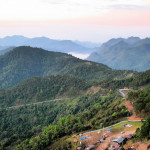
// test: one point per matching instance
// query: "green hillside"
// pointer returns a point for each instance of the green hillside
(39, 89)
(139, 80)
(35, 124)
(26, 62)
(142, 79)
(141, 101)
(24, 127)
(21, 125)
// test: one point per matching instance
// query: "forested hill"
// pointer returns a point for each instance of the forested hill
(130, 54)
(25, 62)
(142, 79)
(38, 89)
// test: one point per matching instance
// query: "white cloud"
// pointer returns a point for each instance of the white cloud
(78, 55)
(59, 9)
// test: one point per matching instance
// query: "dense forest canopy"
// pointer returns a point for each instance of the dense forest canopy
(38, 89)
(25, 62)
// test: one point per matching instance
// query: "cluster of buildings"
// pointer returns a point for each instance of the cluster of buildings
(117, 143)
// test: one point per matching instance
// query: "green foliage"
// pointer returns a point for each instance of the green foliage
(65, 117)
(141, 79)
(25, 62)
(141, 100)
(115, 84)
(145, 130)
(24, 122)
(39, 89)
(61, 144)
(114, 114)
(25, 127)
(70, 124)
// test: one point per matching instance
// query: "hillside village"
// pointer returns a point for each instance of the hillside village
(115, 136)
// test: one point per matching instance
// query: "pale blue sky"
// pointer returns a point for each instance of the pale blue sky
(86, 20)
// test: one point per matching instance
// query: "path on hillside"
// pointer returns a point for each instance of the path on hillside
(49, 101)
(134, 117)
(106, 143)
(131, 109)
(129, 106)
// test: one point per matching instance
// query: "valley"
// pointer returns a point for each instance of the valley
(51, 96)
(74, 75)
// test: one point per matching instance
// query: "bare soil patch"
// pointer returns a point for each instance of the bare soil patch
(131, 109)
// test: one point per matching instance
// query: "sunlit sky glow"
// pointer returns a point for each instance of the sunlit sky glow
(93, 20)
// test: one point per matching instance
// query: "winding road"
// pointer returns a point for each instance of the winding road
(121, 92)
(54, 100)
(49, 101)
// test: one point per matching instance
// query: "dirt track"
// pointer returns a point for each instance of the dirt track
(131, 109)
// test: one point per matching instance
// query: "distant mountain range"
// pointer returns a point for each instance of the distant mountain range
(66, 46)
(126, 54)
(5, 50)
(26, 62)
(88, 44)
(130, 54)
(3, 47)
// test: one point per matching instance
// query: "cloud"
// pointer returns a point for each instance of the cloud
(65, 9)
(130, 7)
(55, 1)
(78, 55)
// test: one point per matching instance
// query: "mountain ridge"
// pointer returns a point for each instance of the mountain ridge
(47, 44)
(129, 54)
(26, 62)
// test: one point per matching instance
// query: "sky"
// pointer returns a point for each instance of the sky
(84, 20)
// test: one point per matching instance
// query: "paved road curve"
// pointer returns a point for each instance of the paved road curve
(121, 92)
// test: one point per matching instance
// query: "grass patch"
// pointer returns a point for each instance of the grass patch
(119, 127)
